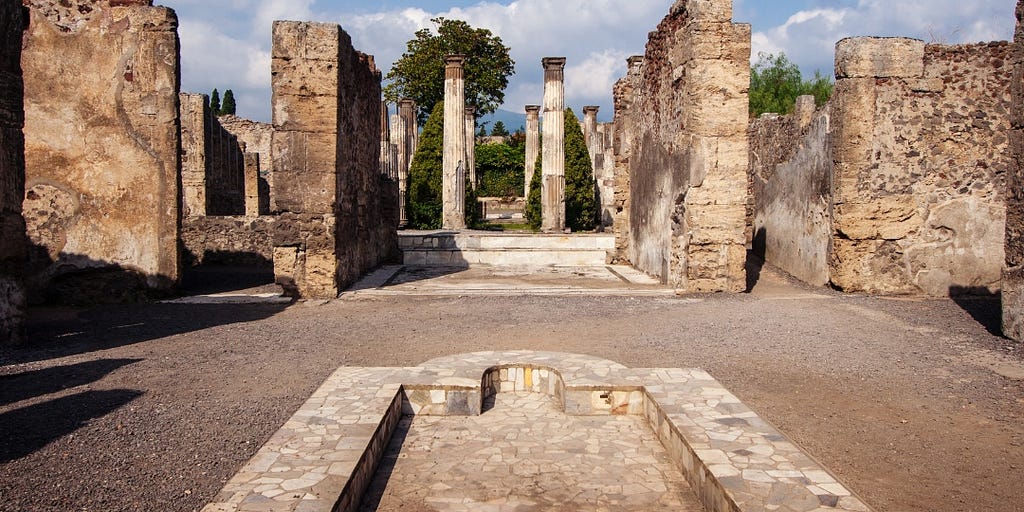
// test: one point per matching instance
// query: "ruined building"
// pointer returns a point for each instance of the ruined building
(681, 150)
(1013, 278)
(101, 151)
(897, 185)
(12, 176)
(337, 218)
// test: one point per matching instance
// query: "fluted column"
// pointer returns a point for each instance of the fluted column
(471, 145)
(532, 144)
(386, 164)
(453, 215)
(590, 134)
(407, 146)
(553, 148)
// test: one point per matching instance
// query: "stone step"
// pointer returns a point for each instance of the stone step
(450, 248)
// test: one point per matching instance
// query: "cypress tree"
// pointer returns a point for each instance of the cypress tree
(424, 201)
(580, 204)
(228, 107)
(215, 102)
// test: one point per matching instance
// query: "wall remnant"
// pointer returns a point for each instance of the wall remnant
(102, 147)
(228, 240)
(921, 155)
(13, 243)
(338, 217)
(1013, 276)
(212, 162)
(688, 155)
(255, 137)
(791, 179)
(624, 94)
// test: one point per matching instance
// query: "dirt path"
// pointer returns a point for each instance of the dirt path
(153, 407)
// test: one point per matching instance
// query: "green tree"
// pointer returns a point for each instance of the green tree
(419, 73)
(425, 197)
(424, 201)
(500, 169)
(228, 107)
(776, 82)
(215, 102)
(499, 130)
(580, 204)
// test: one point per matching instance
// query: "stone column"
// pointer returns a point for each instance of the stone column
(590, 134)
(453, 193)
(252, 185)
(398, 142)
(407, 110)
(553, 148)
(471, 144)
(532, 144)
(386, 167)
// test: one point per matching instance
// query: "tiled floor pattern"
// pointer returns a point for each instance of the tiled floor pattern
(525, 454)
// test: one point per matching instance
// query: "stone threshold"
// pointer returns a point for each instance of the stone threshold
(324, 457)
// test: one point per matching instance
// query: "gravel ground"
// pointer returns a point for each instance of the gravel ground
(154, 407)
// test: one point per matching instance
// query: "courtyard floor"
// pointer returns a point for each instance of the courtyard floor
(912, 402)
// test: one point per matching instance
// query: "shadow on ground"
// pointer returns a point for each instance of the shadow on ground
(28, 429)
(31, 384)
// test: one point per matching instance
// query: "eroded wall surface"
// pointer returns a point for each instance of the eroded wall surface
(1013, 278)
(231, 240)
(212, 162)
(921, 154)
(791, 179)
(257, 139)
(688, 156)
(335, 221)
(624, 94)
(102, 146)
(12, 176)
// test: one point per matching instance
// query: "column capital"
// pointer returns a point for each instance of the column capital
(533, 109)
(470, 111)
(553, 63)
(454, 60)
(591, 109)
(407, 102)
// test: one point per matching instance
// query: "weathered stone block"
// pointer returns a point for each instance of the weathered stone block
(12, 177)
(879, 57)
(111, 74)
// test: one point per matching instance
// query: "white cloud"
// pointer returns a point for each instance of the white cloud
(808, 37)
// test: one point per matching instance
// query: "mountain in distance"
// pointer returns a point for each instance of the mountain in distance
(511, 120)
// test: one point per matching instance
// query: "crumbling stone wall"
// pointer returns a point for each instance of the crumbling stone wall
(212, 163)
(239, 241)
(921, 153)
(688, 160)
(623, 93)
(791, 181)
(12, 175)
(1013, 277)
(604, 172)
(256, 139)
(102, 145)
(337, 221)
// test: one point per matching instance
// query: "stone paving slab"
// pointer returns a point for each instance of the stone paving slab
(326, 454)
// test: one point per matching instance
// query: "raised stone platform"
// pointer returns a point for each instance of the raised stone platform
(324, 457)
(469, 248)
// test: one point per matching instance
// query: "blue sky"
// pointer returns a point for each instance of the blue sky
(226, 44)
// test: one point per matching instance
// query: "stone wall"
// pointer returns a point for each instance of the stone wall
(256, 138)
(791, 182)
(337, 218)
(12, 176)
(102, 146)
(624, 93)
(921, 153)
(212, 162)
(688, 155)
(1013, 277)
(241, 241)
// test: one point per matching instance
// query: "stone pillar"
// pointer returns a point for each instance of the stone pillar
(624, 94)
(453, 215)
(386, 166)
(409, 136)
(471, 145)
(12, 177)
(1013, 275)
(553, 148)
(532, 144)
(590, 134)
(398, 142)
(253, 206)
(195, 114)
